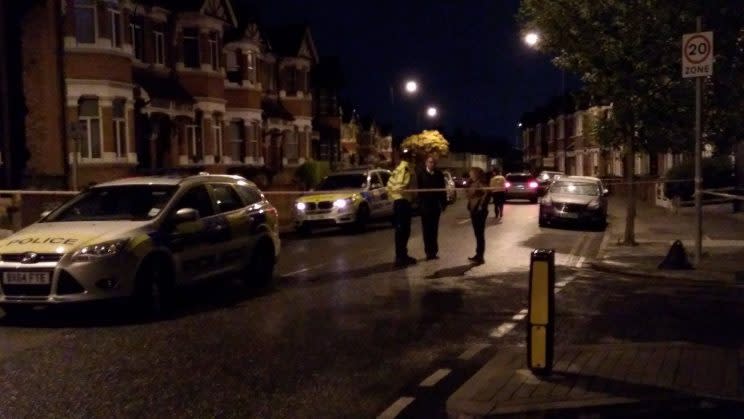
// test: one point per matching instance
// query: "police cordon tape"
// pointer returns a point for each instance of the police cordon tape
(607, 182)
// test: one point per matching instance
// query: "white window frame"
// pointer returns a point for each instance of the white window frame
(237, 140)
(91, 6)
(120, 128)
(133, 26)
(292, 143)
(192, 139)
(214, 54)
(198, 47)
(218, 140)
(250, 61)
(87, 121)
(159, 38)
(114, 18)
(253, 141)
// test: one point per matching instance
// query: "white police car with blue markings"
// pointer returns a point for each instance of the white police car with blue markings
(141, 237)
(348, 199)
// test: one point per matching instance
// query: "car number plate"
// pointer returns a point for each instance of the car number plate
(26, 278)
(315, 217)
(569, 215)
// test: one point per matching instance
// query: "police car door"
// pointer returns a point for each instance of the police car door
(192, 252)
(375, 195)
(232, 238)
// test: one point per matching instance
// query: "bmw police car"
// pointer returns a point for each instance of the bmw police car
(347, 199)
(140, 237)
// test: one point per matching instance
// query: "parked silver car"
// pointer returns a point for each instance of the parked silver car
(575, 199)
(449, 183)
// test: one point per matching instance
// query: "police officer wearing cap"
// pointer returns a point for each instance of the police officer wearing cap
(402, 179)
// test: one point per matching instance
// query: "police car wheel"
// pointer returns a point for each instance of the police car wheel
(153, 293)
(260, 272)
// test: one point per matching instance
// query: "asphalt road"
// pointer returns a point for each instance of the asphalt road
(342, 334)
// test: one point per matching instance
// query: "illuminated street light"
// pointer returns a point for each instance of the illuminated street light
(411, 87)
(431, 112)
(519, 125)
(532, 38)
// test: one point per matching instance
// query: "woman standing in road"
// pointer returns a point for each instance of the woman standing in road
(498, 190)
(478, 200)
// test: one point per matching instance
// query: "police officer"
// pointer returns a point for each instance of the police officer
(402, 178)
(431, 205)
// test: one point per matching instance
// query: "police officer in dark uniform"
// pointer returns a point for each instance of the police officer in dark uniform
(431, 205)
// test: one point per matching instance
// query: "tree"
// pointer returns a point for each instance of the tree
(426, 143)
(627, 52)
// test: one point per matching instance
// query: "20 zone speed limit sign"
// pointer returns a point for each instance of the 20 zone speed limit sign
(697, 54)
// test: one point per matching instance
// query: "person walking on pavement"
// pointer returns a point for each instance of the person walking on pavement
(478, 200)
(498, 191)
(402, 179)
(431, 205)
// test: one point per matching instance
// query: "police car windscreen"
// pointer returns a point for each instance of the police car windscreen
(131, 202)
(336, 182)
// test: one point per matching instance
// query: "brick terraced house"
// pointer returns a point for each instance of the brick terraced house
(155, 85)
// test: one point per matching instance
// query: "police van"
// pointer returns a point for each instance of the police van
(141, 237)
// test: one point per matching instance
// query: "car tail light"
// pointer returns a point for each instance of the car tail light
(533, 184)
(507, 184)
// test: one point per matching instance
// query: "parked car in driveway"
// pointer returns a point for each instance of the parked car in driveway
(521, 186)
(575, 199)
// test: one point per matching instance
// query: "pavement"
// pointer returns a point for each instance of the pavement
(651, 343)
(657, 228)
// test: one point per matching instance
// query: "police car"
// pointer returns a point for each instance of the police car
(348, 199)
(141, 237)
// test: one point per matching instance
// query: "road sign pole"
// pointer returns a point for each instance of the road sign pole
(698, 162)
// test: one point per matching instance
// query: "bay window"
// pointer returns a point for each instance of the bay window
(114, 17)
(159, 38)
(191, 48)
(85, 21)
(89, 117)
(237, 140)
(118, 114)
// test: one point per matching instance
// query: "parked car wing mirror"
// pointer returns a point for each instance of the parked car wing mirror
(185, 215)
(605, 192)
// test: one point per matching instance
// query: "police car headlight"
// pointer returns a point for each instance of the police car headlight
(100, 250)
(341, 203)
(301, 206)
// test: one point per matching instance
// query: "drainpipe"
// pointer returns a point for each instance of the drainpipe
(68, 170)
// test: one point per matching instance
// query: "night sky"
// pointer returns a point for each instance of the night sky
(467, 55)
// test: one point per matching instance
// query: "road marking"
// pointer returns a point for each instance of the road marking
(436, 377)
(519, 316)
(463, 221)
(470, 353)
(502, 330)
(303, 270)
(561, 284)
(395, 408)
(523, 311)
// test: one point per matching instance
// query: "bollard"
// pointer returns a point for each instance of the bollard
(541, 317)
